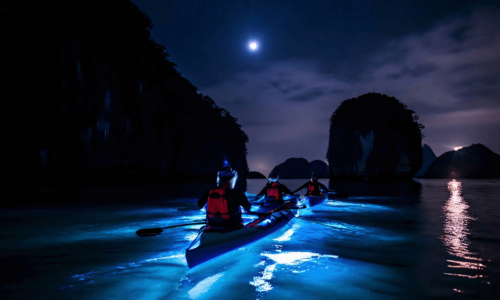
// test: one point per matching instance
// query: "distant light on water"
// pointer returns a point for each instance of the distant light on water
(456, 228)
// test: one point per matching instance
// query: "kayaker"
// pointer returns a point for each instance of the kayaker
(223, 202)
(314, 187)
(274, 189)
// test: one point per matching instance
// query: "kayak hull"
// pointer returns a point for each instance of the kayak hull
(213, 244)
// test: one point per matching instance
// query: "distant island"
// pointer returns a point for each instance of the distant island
(475, 161)
(374, 137)
(255, 175)
(300, 168)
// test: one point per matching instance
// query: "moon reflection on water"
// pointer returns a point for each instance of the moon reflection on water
(456, 231)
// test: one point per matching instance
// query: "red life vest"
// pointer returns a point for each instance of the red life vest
(218, 205)
(313, 189)
(273, 191)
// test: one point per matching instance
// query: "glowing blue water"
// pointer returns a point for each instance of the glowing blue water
(441, 242)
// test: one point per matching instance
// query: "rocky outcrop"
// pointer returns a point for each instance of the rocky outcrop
(90, 97)
(255, 175)
(375, 137)
(320, 167)
(293, 168)
(429, 157)
(475, 161)
(299, 168)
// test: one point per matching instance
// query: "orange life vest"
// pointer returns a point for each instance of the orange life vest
(313, 189)
(273, 191)
(218, 205)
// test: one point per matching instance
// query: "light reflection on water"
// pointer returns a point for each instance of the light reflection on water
(203, 286)
(262, 283)
(456, 231)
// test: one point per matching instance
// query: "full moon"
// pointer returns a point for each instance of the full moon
(253, 46)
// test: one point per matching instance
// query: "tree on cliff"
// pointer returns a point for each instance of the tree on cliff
(87, 89)
(374, 136)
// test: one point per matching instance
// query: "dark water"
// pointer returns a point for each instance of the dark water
(430, 239)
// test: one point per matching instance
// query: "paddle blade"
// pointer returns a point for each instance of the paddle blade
(149, 232)
(337, 196)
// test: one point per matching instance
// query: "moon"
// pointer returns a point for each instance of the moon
(253, 46)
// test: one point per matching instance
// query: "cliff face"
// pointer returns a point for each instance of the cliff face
(89, 93)
(374, 136)
(429, 157)
(475, 161)
(293, 168)
(255, 175)
(320, 167)
(298, 168)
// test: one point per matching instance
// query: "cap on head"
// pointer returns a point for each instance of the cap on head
(314, 176)
(273, 176)
(227, 177)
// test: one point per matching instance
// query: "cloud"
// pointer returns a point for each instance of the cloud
(478, 116)
(450, 75)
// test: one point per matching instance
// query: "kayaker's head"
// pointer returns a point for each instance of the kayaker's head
(314, 177)
(273, 177)
(226, 178)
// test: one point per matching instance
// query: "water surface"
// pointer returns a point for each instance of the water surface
(429, 239)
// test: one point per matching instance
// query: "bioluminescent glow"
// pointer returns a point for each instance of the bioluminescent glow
(191, 236)
(347, 206)
(163, 258)
(203, 286)
(290, 258)
(456, 231)
(285, 237)
(261, 282)
(340, 226)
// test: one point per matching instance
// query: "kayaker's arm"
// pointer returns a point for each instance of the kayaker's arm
(285, 190)
(203, 199)
(303, 186)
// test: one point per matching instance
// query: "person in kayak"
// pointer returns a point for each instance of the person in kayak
(223, 202)
(274, 189)
(314, 187)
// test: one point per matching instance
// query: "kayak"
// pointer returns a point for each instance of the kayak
(213, 242)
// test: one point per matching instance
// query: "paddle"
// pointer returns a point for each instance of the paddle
(157, 231)
(263, 200)
(269, 213)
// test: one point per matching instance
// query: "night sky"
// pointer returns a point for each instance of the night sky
(441, 58)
